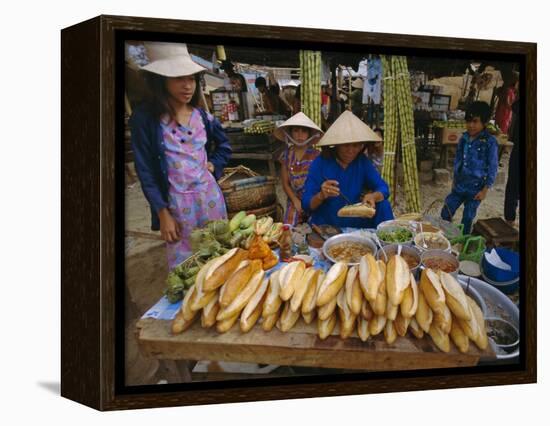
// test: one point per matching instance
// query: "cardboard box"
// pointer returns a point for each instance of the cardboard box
(451, 136)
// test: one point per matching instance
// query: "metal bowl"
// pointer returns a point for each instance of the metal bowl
(338, 239)
(391, 228)
(392, 249)
(419, 241)
(440, 254)
(492, 322)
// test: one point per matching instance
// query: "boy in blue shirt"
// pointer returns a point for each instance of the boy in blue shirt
(475, 166)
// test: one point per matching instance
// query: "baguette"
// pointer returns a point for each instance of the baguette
(480, 339)
(366, 310)
(237, 280)
(443, 320)
(242, 299)
(289, 278)
(397, 279)
(247, 322)
(326, 327)
(370, 276)
(454, 296)
(354, 296)
(272, 301)
(376, 325)
(440, 338)
(363, 328)
(201, 297)
(310, 298)
(416, 330)
(226, 324)
(309, 317)
(390, 333)
(409, 305)
(458, 337)
(401, 324)
(347, 318)
(325, 311)
(189, 298)
(333, 282)
(379, 306)
(256, 300)
(308, 280)
(209, 312)
(185, 316)
(270, 320)
(357, 210)
(288, 318)
(433, 291)
(424, 314)
(391, 310)
(222, 267)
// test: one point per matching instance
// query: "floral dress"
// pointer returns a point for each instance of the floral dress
(297, 173)
(194, 195)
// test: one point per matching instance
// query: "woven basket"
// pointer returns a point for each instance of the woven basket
(275, 211)
(242, 192)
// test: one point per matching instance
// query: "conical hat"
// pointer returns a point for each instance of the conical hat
(348, 129)
(170, 59)
(299, 119)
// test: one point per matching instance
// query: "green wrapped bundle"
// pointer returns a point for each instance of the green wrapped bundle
(218, 227)
(174, 287)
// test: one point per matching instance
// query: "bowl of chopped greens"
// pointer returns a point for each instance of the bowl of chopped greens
(395, 235)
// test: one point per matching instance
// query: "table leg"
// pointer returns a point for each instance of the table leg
(180, 370)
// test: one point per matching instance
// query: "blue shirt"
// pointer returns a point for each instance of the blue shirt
(358, 177)
(476, 162)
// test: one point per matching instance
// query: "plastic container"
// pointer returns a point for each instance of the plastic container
(473, 249)
(499, 275)
(507, 287)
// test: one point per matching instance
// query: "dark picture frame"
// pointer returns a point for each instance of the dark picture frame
(92, 305)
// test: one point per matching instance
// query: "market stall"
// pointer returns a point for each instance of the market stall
(394, 298)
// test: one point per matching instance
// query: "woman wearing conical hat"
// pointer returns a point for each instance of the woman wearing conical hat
(343, 169)
(179, 149)
(300, 134)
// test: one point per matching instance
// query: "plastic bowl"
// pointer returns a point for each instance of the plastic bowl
(500, 275)
(341, 238)
(507, 287)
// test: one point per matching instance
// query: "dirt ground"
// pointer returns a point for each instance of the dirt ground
(146, 267)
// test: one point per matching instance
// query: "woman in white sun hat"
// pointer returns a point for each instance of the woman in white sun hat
(179, 149)
(300, 134)
(343, 169)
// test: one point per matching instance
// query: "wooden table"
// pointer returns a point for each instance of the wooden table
(300, 347)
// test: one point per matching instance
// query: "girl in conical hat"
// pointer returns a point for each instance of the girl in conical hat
(300, 134)
(179, 149)
(342, 169)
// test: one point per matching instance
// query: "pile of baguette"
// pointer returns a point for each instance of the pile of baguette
(371, 298)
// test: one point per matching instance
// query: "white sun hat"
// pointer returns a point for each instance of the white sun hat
(170, 59)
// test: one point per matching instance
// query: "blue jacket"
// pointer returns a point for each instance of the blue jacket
(150, 159)
(476, 162)
(358, 176)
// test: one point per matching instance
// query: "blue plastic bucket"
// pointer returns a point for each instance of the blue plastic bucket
(499, 275)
